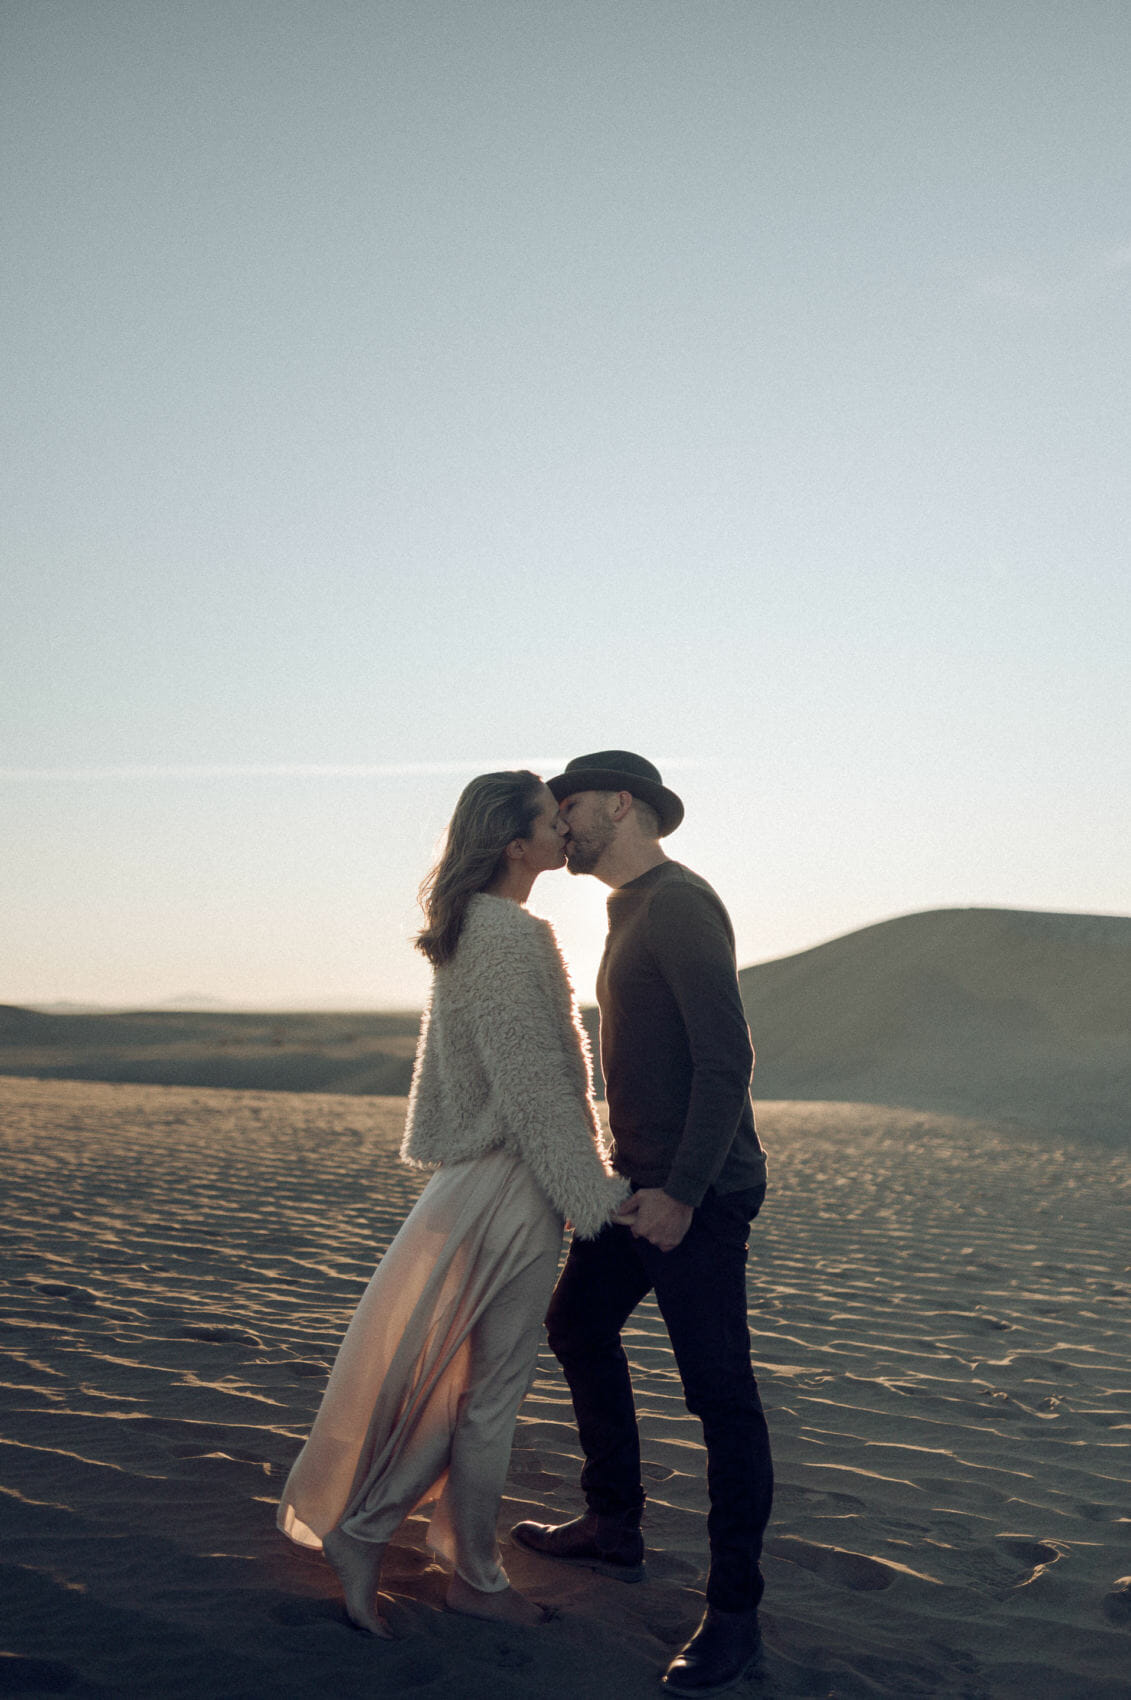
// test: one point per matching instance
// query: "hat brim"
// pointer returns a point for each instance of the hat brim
(668, 807)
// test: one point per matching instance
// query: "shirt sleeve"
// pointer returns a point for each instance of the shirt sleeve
(693, 948)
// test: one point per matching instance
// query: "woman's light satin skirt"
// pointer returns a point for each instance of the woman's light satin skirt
(422, 1399)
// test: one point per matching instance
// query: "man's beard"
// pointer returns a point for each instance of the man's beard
(582, 855)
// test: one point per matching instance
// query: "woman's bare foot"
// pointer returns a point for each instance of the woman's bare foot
(358, 1566)
(505, 1606)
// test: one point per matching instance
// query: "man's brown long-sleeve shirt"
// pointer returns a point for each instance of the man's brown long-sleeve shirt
(675, 1047)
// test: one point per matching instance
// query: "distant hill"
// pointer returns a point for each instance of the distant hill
(989, 1012)
(996, 1013)
(342, 1051)
(194, 1001)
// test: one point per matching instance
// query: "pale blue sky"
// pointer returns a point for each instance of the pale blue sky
(402, 386)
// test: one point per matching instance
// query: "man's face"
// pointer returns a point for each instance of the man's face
(590, 829)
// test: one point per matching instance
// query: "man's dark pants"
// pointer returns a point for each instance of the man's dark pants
(700, 1288)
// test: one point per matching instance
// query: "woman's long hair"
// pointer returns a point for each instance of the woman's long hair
(492, 811)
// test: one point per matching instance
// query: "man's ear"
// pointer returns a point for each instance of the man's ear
(622, 805)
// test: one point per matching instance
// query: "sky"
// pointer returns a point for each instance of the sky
(395, 391)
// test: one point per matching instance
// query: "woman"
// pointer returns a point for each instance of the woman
(422, 1400)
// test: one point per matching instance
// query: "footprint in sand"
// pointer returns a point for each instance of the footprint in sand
(81, 1297)
(1091, 1512)
(1011, 1562)
(1117, 1604)
(852, 1570)
(1033, 1556)
(402, 1666)
(1002, 1403)
(824, 1502)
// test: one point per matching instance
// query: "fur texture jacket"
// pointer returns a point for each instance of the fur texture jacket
(503, 1060)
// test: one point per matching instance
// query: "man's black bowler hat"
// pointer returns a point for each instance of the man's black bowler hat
(620, 770)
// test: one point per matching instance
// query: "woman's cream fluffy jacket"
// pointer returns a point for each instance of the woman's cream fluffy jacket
(502, 1060)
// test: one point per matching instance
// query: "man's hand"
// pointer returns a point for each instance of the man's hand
(653, 1216)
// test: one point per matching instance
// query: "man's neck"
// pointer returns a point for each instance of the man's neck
(622, 863)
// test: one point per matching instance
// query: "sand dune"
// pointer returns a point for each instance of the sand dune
(939, 1309)
(988, 1012)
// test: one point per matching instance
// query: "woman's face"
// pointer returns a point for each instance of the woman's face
(546, 840)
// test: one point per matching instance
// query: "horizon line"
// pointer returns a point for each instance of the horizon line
(204, 1003)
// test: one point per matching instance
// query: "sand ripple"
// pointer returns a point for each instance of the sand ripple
(940, 1319)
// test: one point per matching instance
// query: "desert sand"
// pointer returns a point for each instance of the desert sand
(939, 1308)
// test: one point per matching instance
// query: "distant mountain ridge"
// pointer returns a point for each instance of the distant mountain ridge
(996, 1013)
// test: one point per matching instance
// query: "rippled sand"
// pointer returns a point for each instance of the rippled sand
(940, 1315)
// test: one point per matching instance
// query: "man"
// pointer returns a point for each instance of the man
(676, 1055)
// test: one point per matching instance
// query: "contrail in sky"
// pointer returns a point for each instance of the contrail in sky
(309, 770)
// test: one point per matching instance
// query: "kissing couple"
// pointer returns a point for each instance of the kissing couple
(422, 1400)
